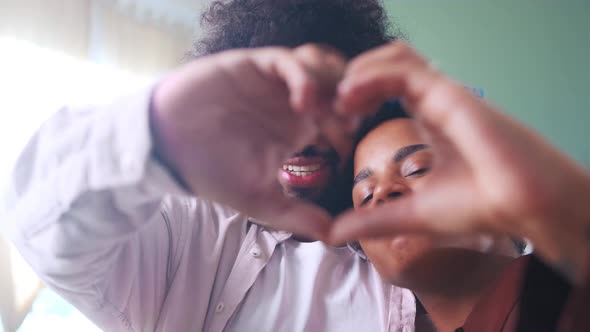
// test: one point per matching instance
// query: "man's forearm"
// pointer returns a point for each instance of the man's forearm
(84, 182)
(160, 151)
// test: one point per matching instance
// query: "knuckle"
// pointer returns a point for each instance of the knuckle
(402, 50)
(444, 101)
(282, 51)
(309, 50)
(305, 84)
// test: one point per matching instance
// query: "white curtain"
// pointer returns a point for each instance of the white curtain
(143, 45)
(101, 31)
(57, 24)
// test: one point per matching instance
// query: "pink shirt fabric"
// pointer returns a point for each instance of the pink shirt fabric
(104, 225)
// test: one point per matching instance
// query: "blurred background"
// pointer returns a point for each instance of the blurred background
(531, 57)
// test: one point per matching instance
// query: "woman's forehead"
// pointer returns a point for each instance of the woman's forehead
(392, 135)
(377, 148)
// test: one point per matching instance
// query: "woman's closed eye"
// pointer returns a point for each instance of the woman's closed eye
(416, 166)
(367, 199)
(418, 172)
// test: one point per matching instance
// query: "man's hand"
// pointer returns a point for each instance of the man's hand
(491, 174)
(225, 123)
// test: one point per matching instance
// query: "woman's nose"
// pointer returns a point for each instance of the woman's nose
(391, 195)
(388, 191)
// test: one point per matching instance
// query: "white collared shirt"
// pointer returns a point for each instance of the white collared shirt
(105, 226)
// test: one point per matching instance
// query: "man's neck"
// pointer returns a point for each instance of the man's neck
(450, 306)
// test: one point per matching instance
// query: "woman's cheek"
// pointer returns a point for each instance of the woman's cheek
(418, 183)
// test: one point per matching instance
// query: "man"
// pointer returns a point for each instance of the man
(99, 198)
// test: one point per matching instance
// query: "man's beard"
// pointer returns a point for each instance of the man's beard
(336, 197)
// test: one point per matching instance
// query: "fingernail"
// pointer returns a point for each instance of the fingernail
(343, 88)
(336, 236)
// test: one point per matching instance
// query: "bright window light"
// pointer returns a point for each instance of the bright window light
(34, 83)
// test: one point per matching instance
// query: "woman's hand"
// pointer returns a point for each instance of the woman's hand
(491, 173)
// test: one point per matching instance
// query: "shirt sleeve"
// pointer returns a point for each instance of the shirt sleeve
(86, 199)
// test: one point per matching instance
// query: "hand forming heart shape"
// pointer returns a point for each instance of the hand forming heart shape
(226, 123)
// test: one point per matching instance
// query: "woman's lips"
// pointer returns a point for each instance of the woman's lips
(304, 172)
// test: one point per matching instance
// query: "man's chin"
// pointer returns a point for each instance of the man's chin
(305, 191)
(308, 194)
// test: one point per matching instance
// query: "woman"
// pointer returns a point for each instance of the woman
(474, 284)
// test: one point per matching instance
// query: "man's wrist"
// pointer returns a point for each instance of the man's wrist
(160, 146)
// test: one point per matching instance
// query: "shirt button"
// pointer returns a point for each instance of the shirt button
(219, 308)
(255, 252)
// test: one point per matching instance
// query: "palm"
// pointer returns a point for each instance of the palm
(232, 115)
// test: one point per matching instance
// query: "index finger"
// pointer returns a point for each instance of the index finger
(392, 71)
(439, 103)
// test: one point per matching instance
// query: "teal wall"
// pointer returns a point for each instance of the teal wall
(532, 57)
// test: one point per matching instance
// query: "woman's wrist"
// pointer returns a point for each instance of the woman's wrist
(560, 232)
(573, 245)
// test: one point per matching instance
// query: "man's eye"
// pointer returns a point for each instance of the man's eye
(418, 172)
(367, 199)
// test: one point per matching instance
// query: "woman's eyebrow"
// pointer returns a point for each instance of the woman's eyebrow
(362, 175)
(406, 151)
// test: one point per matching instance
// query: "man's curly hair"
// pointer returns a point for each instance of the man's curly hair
(351, 26)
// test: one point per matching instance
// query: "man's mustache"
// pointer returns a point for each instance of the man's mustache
(329, 154)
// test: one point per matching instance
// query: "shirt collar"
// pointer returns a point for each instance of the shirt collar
(281, 236)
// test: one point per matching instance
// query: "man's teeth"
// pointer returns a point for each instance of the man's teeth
(306, 170)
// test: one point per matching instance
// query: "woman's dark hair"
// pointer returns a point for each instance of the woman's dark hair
(339, 196)
(351, 26)
(389, 111)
